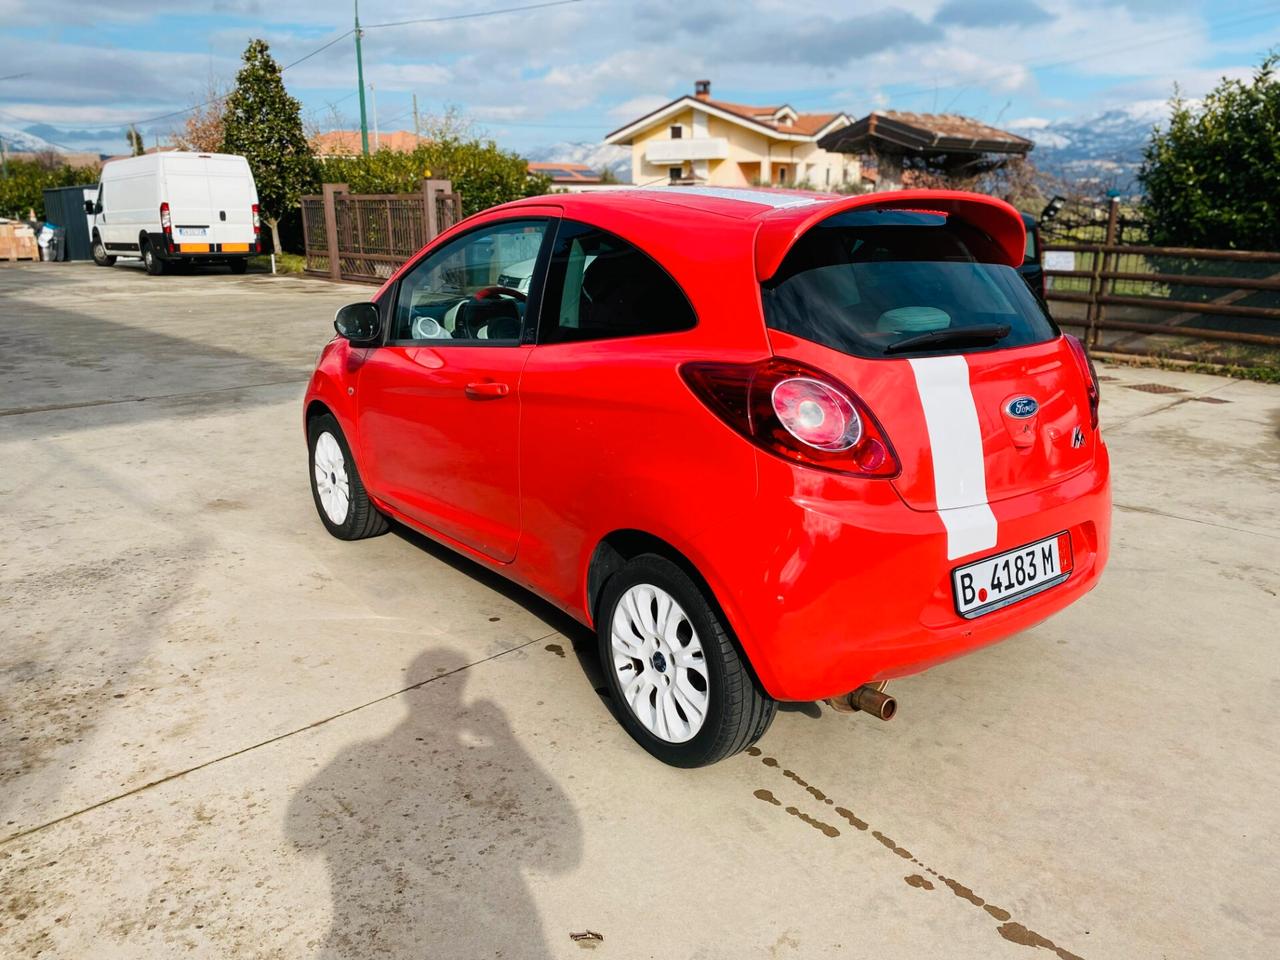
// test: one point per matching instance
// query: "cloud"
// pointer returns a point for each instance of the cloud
(586, 68)
(829, 42)
(638, 106)
(990, 13)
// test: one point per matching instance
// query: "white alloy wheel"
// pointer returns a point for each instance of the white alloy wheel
(331, 478)
(660, 664)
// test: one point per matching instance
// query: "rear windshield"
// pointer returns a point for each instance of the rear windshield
(864, 282)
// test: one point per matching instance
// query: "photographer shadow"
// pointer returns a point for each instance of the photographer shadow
(428, 832)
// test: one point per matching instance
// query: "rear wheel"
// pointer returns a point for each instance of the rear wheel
(344, 507)
(100, 255)
(679, 685)
(154, 265)
(239, 266)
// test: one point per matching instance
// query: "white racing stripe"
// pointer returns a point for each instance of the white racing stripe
(955, 441)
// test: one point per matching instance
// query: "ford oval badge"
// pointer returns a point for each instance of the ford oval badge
(1021, 408)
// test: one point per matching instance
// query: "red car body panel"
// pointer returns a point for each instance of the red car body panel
(828, 580)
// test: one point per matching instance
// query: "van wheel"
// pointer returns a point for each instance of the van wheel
(680, 687)
(344, 507)
(154, 265)
(100, 255)
(239, 266)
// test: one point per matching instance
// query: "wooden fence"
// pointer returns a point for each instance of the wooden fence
(1183, 302)
(365, 237)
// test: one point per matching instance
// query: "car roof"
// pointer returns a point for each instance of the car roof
(779, 217)
(737, 203)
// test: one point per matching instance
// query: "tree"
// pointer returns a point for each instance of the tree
(482, 172)
(136, 146)
(1212, 178)
(264, 124)
(23, 189)
(203, 131)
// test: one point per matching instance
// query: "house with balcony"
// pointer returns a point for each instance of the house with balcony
(695, 139)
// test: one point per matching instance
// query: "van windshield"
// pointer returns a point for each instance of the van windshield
(865, 281)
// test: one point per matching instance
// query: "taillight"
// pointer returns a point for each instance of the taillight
(257, 224)
(797, 413)
(166, 224)
(1090, 375)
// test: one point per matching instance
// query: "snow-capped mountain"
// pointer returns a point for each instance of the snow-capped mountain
(1105, 146)
(19, 141)
(598, 156)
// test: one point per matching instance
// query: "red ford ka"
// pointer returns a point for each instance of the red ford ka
(769, 446)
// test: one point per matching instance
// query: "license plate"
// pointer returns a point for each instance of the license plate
(193, 232)
(1008, 577)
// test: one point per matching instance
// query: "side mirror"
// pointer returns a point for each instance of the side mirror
(89, 207)
(358, 322)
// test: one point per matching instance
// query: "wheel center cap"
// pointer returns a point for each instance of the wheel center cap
(659, 661)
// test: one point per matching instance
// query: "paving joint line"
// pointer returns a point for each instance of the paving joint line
(55, 407)
(1153, 512)
(1168, 406)
(264, 743)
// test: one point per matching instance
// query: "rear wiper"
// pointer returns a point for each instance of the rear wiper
(979, 333)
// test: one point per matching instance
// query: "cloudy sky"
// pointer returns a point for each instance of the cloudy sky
(77, 71)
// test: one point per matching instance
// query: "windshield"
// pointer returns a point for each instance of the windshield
(863, 281)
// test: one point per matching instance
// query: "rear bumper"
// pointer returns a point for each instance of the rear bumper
(192, 250)
(836, 583)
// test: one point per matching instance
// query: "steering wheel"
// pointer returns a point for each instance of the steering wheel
(484, 293)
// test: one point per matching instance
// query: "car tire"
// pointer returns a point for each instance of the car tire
(239, 266)
(100, 255)
(692, 663)
(154, 265)
(344, 507)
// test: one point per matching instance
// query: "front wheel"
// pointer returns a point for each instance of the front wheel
(100, 255)
(679, 685)
(339, 494)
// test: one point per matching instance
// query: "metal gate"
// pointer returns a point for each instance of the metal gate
(365, 237)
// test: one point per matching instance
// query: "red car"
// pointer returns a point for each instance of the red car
(769, 446)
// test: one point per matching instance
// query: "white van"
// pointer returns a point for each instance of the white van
(176, 207)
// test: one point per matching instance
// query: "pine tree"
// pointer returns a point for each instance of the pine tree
(264, 124)
(136, 146)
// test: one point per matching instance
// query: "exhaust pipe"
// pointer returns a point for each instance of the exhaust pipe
(868, 698)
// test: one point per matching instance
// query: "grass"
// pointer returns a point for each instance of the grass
(285, 263)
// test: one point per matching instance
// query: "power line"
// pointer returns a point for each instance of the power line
(473, 16)
(317, 50)
(178, 113)
(1234, 19)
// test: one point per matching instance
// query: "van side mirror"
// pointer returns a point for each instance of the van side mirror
(360, 323)
(90, 207)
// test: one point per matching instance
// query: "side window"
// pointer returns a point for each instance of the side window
(600, 286)
(474, 290)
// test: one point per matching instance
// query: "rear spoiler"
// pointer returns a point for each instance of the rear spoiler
(1002, 223)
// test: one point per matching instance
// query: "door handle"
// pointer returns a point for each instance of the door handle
(487, 390)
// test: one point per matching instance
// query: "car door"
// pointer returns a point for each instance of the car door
(438, 405)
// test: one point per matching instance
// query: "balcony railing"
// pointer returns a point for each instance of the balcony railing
(678, 151)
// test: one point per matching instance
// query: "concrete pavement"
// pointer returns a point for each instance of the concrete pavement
(225, 734)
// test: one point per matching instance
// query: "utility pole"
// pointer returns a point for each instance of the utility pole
(417, 126)
(364, 123)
